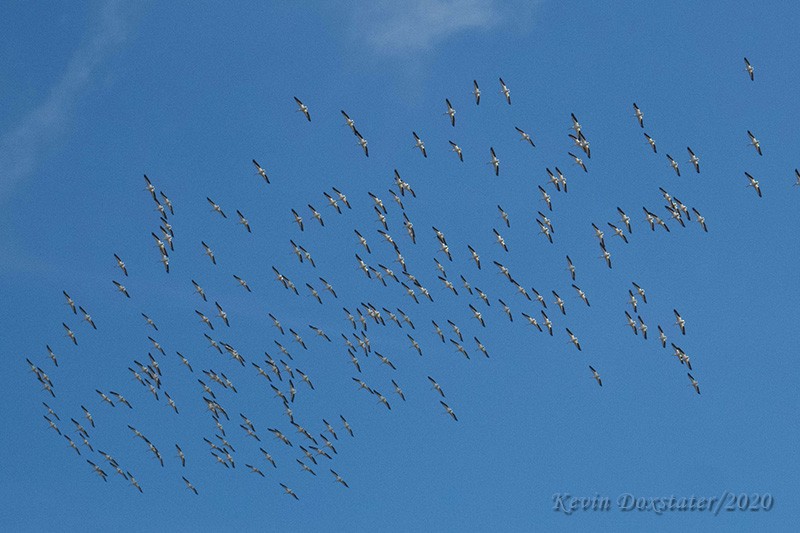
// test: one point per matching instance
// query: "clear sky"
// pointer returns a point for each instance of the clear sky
(95, 95)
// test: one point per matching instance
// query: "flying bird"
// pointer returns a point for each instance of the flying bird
(750, 71)
(302, 108)
(504, 91)
(595, 375)
(476, 92)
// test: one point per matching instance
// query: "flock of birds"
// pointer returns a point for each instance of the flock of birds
(314, 447)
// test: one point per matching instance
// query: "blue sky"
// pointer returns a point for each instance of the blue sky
(99, 94)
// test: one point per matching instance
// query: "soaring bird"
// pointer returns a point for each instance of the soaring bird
(595, 375)
(638, 114)
(504, 91)
(750, 71)
(302, 108)
(450, 112)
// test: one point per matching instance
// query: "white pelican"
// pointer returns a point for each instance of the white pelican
(695, 385)
(504, 91)
(316, 215)
(680, 322)
(754, 142)
(674, 165)
(595, 375)
(581, 294)
(524, 136)
(457, 149)
(447, 407)
(476, 91)
(215, 207)
(662, 337)
(298, 219)
(494, 162)
(208, 252)
(242, 282)
(618, 232)
(651, 142)
(500, 240)
(261, 171)
(632, 323)
(639, 115)
(419, 144)
(362, 142)
(121, 264)
(546, 198)
(693, 159)
(573, 339)
(121, 288)
(753, 183)
(750, 72)
(450, 112)
(349, 121)
(532, 321)
(578, 161)
(302, 108)
(640, 291)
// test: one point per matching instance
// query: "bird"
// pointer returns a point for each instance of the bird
(316, 215)
(450, 112)
(302, 108)
(457, 149)
(477, 315)
(651, 142)
(680, 322)
(289, 491)
(476, 92)
(494, 162)
(362, 142)
(339, 479)
(209, 252)
(215, 207)
(749, 69)
(189, 485)
(121, 288)
(242, 282)
(754, 142)
(419, 144)
(753, 183)
(504, 91)
(121, 264)
(243, 221)
(640, 291)
(298, 219)
(693, 159)
(70, 302)
(70, 334)
(449, 411)
(578, 161)
(639, 115)
(349, 121)
(571, 268)
(595, 375)
(500, 240)
(524, 136)
(573, 339)
(581, 294)
(674, 165)
(261, 171)
(695, 385)
(436, 386)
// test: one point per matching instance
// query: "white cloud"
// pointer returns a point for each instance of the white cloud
(23, 147)
(405, 28)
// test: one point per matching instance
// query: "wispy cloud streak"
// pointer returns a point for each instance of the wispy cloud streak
(22, 147)
(405, 28)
